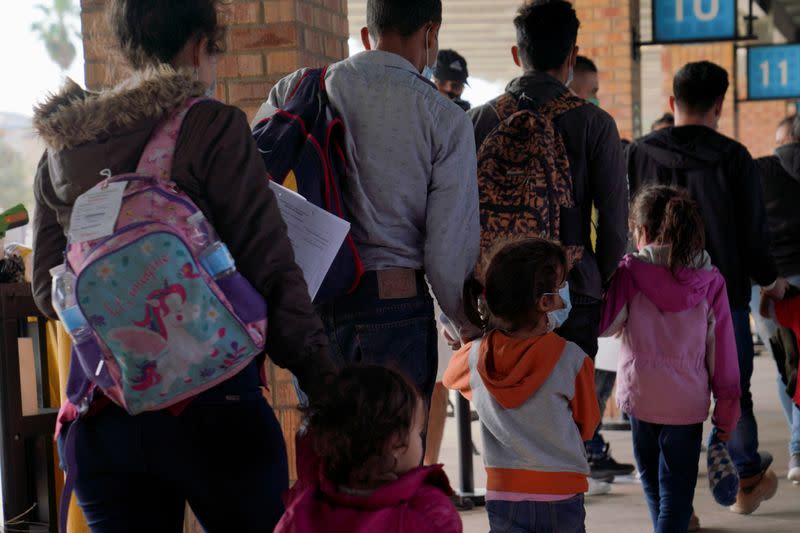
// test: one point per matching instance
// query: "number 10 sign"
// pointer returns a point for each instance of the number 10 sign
(693, 20)
(773, 72)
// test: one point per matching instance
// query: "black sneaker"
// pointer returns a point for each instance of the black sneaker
(617, 425)
(606, 467)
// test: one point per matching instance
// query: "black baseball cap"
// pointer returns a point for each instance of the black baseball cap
(450, 66)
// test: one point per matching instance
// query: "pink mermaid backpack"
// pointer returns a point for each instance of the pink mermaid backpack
(156, 308)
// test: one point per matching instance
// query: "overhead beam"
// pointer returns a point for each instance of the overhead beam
(783, 20)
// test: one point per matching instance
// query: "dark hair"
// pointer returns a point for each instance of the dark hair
(796, 128)
(354, 423)
(547, 31)
(666, 118)
(786, 121)
(584, 64)
(402, 16)
(698, 86)
(516, 275)
(670, 217)
(150, 32)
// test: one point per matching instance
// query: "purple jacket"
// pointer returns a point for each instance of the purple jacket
(678, 344)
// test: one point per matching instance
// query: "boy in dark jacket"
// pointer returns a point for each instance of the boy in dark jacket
(722, 178)
(546, 51)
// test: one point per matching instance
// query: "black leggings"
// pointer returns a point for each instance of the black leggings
(224, 455)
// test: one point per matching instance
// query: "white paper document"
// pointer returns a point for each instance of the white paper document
(608, 353)
(95, 212)
(316, 235)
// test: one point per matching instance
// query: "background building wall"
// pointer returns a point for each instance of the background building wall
(606, 38)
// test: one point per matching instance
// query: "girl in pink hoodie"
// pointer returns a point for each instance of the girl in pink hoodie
(359, 462)
(670, 306)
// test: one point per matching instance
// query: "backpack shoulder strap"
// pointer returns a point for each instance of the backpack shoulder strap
(505, 106)
(310, 87)
(559, 105)
(156, 160)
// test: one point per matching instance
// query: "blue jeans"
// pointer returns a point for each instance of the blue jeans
(397, 333)
(667, 458)
(744, 440)
(224, 455)
(792, 413)
(567, 516)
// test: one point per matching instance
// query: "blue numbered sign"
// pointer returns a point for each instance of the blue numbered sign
(773, 72)
(693, 20)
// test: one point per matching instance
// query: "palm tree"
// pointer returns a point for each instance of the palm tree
(57, 31)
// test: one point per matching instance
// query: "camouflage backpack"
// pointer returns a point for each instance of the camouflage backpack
(524, 179)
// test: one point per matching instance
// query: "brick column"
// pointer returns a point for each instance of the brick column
(758, 122)
(265, 41)
(606, 38)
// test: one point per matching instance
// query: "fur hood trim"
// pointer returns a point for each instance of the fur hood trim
(74, 116)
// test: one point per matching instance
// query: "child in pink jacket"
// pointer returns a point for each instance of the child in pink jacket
(359, 463)
(671, 308)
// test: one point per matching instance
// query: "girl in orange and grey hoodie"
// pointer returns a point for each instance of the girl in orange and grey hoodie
(533, 390)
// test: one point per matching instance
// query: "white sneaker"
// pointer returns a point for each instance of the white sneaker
(794, 469)
(598, 488)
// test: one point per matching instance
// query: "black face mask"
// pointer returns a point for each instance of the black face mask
(463, 104)
(453, 96)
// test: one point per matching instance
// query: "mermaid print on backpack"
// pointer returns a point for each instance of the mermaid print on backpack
(162, 313)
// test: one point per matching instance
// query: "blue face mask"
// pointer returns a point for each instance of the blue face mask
(556, 318)
(427, 72)
(212, 90)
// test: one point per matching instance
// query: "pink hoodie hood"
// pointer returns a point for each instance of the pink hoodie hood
(668, 292)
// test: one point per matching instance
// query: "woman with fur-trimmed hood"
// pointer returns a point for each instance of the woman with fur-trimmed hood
(224, 452)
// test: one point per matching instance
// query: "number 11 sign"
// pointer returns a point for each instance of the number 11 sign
(773, 72)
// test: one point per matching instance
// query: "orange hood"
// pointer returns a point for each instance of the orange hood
(513, 370)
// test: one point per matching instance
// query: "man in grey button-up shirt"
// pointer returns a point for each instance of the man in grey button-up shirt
(411, 186)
